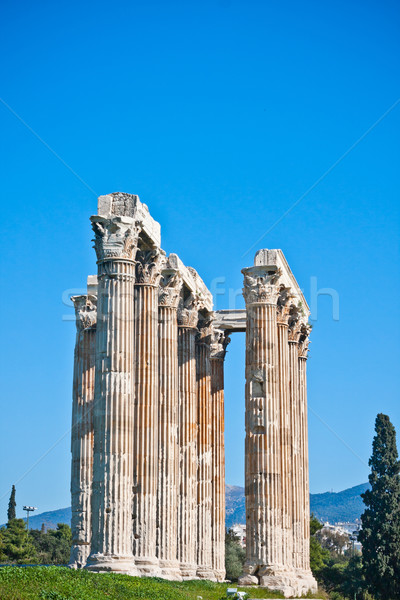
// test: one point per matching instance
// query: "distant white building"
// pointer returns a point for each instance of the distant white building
(240, 531)
(344, 530)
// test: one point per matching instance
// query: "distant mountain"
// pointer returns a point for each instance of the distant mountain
(50, 519)
(345, 506)
(335, 507)
(235, 511)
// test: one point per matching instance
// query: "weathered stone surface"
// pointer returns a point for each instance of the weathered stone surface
(148, 457)
(168, 446)
(230, 320)
(204, 450)
(187, 500)
(276, 456)
(247, 580)
(149, 265)
(112, 528)
(129, 205)
(219, 342)
(82, 428)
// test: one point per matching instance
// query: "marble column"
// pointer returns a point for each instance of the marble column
(217, 357)
(168, 447)
(285, 425)
(187, 501)
(295, 428)
(262, 446)
(111, 547)
(82, 428)
(305, 515)
(204, 453)
(145, 438)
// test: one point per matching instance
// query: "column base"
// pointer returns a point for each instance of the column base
(79, 555)
(188, 571)
(220, 576)
(106, 563)
(170, 570)
(148, 567)
(292, 583)
(206, 573)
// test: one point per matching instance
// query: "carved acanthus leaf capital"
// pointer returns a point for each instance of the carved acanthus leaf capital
(294, 323)
(205, 328)
(304, 340)
(260, 286)
(188, 312)
(115, 237)
(170, 289)
(149, 264)
(85, 312)
(283, 305)
(219, 342)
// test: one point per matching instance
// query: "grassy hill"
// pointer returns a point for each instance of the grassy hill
(61, 583)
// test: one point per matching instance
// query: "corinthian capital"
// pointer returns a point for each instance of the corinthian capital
(260, 285)
(283, 305)
(85, 312)
(295, 322)
(219, 342)
(205, 328)
(170, 289)
(188, 312)
(304, 340)
(149, 264)
(115, 237)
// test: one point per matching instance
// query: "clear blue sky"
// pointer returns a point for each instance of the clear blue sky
(220, 115)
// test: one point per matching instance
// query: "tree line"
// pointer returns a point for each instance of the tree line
(20, 546)
(342, 572)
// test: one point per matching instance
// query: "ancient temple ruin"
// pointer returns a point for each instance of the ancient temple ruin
(148, 462)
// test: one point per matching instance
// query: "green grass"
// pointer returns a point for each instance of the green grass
(61, 583)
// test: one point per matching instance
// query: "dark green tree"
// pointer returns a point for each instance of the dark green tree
(353, 584)
(380, 534)
(11, 505)
(53, 546)
(318, 555)
(235, 556)
(15, 545)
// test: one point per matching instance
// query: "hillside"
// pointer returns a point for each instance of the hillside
(50, 518)
(340, 506)
(344, 506)
(335, 507)
(235, 511)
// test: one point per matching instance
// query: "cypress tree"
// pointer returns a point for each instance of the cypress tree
(380, 534)
(11, 505)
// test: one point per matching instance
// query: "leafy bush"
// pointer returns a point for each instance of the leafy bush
(234, 556)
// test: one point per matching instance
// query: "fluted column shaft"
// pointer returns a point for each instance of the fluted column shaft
(305, 551)
(286, 458)
(263, 421)
(113, 415)
(218, 468)
(204, 455)
(82, 429)
(167, 516)
(262, 438)
(146, 431)
(187, 513)
(296, 451)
